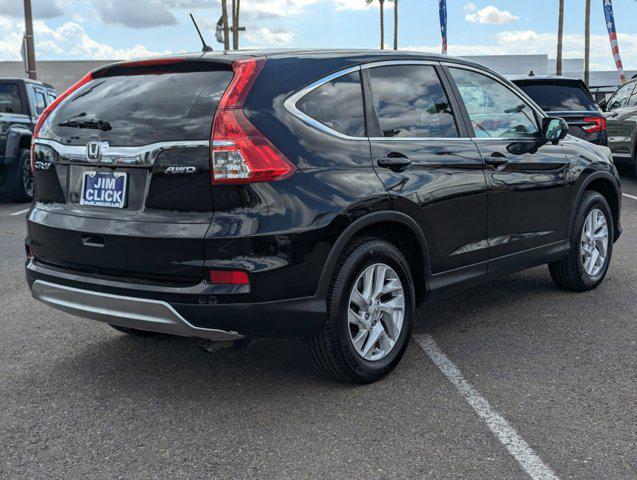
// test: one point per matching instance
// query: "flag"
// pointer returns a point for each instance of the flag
(442, 4)
(219, 30)
(612, 33)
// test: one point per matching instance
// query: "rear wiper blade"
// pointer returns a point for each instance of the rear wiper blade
(91, 124)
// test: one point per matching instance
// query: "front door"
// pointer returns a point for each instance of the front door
(528, 193)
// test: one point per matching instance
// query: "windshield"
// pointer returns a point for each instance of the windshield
(559, 97)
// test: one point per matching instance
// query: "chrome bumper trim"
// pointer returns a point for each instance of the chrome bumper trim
(131, 312)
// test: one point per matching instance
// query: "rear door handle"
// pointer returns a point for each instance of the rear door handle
(395, 162)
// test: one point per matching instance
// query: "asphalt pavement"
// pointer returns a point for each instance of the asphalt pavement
(529, 373)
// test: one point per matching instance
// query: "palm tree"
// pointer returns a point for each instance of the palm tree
(587, 43)
(560, 37)
(382, 21)
(395, 23)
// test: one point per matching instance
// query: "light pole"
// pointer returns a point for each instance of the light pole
(30, 50)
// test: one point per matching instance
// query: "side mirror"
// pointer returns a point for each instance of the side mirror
(603, 104)
(554, 129)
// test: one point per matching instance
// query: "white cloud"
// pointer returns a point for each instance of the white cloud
(489, 15)
(69, 40)
(264, 37)
(40, 8)
(135, 14)
(529, 42)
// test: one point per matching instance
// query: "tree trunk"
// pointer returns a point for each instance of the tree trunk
(560, 36)
(224, 20)
(395, 24)
(382, 24)
(587, 44)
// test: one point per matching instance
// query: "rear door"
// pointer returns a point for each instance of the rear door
(123, 172)
(14, 115)
(528, 192)
(430, 167)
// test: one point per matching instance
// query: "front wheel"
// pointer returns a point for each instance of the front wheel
(591, 239)
(371, 312)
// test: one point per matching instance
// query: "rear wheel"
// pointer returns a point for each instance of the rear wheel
(591, 240)
(370, 314)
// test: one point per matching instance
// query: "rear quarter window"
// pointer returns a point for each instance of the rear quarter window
(143, 109)
(338, 105)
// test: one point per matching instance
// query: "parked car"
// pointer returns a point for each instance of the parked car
(621, 118)
(21, 102)
(312, 194)
(570, 99)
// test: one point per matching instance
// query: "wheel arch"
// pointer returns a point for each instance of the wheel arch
(606, 185)
(17, 139)
(394, 227)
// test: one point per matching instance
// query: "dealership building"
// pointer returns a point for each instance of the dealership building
(62, 74)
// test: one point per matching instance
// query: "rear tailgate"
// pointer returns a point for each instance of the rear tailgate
(123, 172)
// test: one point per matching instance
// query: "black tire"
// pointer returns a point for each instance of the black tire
(569, 273)
(20, 177)
(135, 332)
(331, 349)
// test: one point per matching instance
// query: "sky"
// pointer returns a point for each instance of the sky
(123, 29)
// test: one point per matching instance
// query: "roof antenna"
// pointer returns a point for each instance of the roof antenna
(205, 47)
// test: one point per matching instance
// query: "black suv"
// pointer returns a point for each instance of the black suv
(306, 194)
(570, 99)
(21, 102)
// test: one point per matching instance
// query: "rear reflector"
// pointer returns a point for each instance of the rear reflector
(595, 124)
(240, 152)
(229, 277)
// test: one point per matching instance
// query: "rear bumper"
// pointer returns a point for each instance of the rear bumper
(186, 311)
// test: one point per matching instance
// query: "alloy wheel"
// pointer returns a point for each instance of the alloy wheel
(376, 311)
(594, 242)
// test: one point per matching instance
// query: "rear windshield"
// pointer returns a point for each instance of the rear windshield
(134, 110)
(559, 97)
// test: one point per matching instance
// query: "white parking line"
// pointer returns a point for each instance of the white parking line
(629, 196)
(19, 212)
(505, 433)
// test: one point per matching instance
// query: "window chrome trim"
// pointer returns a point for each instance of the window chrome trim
(140, 156)
(292, 100)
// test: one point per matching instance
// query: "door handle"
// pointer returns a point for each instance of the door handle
(93, 241)
(497, 160)
(396, 162)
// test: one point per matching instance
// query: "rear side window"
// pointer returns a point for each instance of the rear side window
(10, 98)
(410, 102)
(137, 110)
(553, 96)
(338, 105)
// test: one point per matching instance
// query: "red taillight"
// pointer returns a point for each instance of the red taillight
(52, 106)
(595, 124)
(229, 277)
(240, 153)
